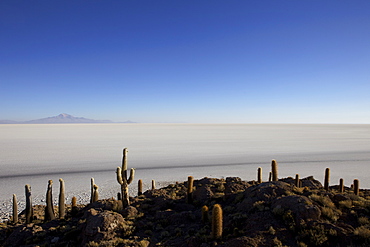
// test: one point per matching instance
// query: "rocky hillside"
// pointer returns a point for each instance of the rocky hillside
(266, 214)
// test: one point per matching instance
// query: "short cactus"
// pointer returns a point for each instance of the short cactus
(341, 185)
(96, 193)
(153, 184)
(216, 222)
(356, 187)
(15, 209)
(140, 187)
(297, 181)
(74, 206)
(327, 178)
(270, 176)
(49, 209)
(62, 205)
(189, 197)
(205, 210)
(259, 175)
(274, 170)
(123, 180)
(29, 209)
(92, 190)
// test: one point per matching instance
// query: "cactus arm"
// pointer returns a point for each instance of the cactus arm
(119, 175)
(132, 175)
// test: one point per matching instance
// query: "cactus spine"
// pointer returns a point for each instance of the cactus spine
(123, 180)
(15, 209)
(49, 210)
(153, 184)
(297, 181)
(274, 170)
(356, 187)
(216, 222)
(29, 209)
(140, 187)
(62, 206)
(327, 178)
(189, 198)
(341, 185)
(259, 175)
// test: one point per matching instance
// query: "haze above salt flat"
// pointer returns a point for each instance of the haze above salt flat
(34, 153)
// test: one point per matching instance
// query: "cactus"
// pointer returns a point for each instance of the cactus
(74, 206)
(216, 222)
(270, 176)
(119, 197)
(49, 209)
(259, 175)
(15, 209)
(153, 184)
(327, 178)
(356, 187)
(341, 185)
(96, 193)
(92, 190)
(274, 170)
(62, 205)
(140, 187)
(29, 209)
(189, 198)
(297, 181)
(123, 180)
(205, 214)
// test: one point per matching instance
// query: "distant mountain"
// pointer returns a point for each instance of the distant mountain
(61, 118)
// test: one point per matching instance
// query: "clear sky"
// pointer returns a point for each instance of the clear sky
(193, 61)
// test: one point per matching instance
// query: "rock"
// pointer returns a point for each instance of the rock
(300, 206)
(101, 226)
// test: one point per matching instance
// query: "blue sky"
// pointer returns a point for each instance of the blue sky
(186, 61)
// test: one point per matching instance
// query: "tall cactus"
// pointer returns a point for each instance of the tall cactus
(216, 222)
(259, 175)
(123, 180)
(62, 205)
(274, 170)
(356, 187)
(15, 209)
(327, 178)
(189, 197)
(29, 209)
(153, 184)
(49, 209)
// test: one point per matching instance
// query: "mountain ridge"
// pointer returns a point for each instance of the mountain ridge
(59, 119)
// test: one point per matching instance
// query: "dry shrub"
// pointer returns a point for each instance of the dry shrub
(345, 204)
(362, 232)
(323, 200)
(363, 220)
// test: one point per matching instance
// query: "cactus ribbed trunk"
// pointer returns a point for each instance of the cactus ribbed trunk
(140, 187)
(259, 175)
(216, 222)
(29, 209)
(341, 185)
(189, 198)
(274, 170)
(327, 178)
(356, 187)
(124, 180)
(297, 181)
(62, 205)
(15, 209)
(49, 210)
